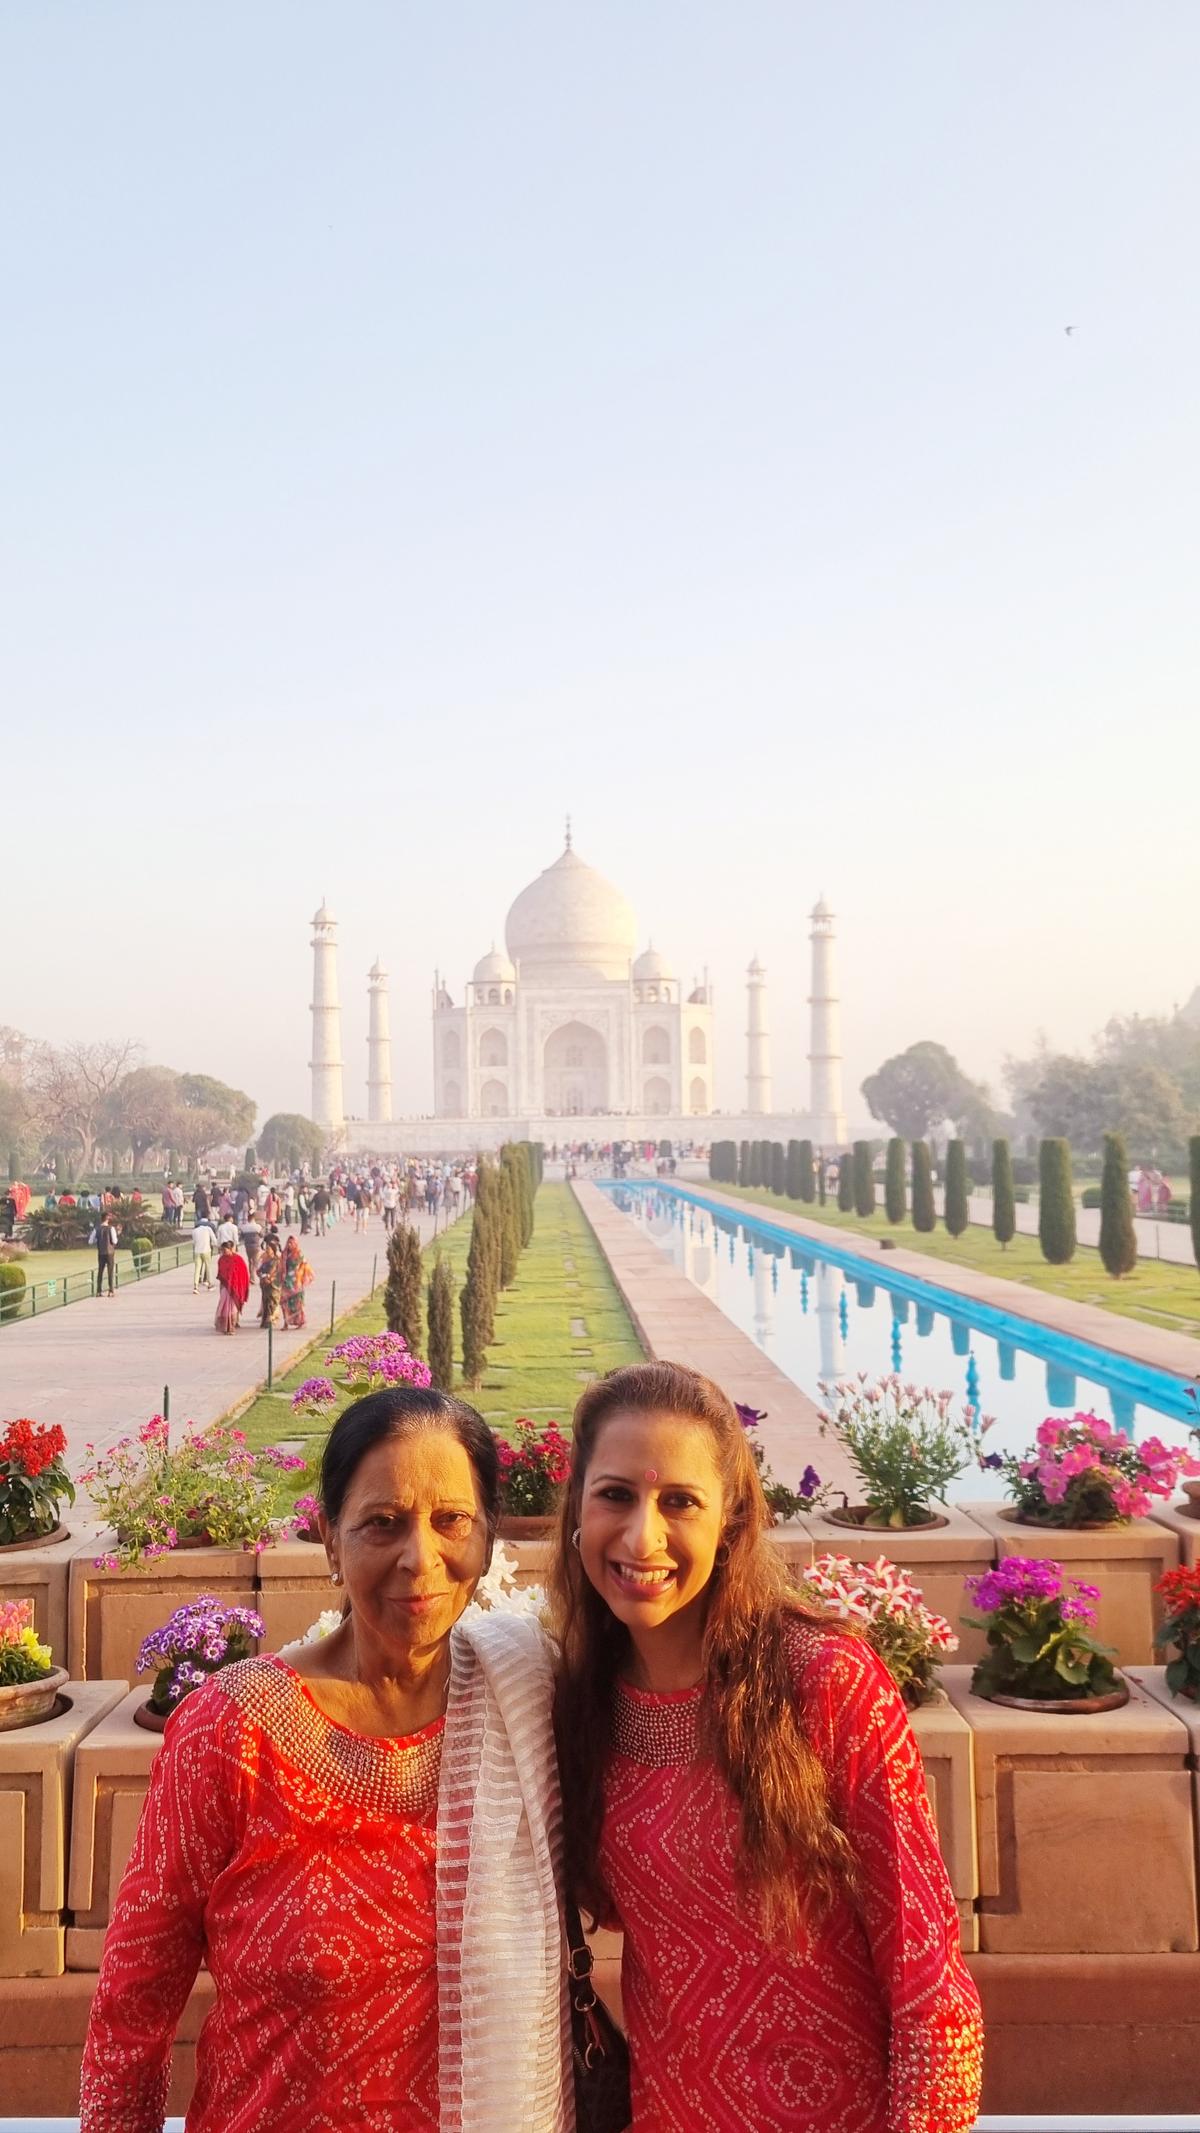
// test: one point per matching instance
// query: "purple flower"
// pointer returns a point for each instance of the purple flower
(314, 1392)
(750, 1417)
(810, 1482)
(991, 1459)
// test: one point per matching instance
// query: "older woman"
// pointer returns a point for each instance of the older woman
(361, 1843)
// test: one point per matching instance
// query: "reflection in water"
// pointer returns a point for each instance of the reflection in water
(817, 1322)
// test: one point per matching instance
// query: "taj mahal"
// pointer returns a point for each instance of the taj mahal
(570, 1032)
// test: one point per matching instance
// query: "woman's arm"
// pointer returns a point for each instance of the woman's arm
(155, 1943)
(877, 1781)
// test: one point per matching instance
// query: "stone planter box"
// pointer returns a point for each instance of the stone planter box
(112, 1771)
(1086, 1844)
(35, 1792)
(1186, 1530)
(293, 1589)
(947, 1751)
(1153, 1679)
(1124, 1561)
(41, 1575)
(43, 2023)
(109, 1612)
(937, 1558)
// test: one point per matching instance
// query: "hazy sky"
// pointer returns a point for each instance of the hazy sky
(420, 421)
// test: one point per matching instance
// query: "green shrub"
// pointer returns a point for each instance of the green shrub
(1024, 1170)
(12, 1289)
(924, 1213)
(808, 1181)
(441, 1326)
(141, 1248)
(778, 1168)
(402, 1289)
(863, 1172)
(1056, 1211)
(1021, 1195)
(1004, 1216)
(845, 1191)
(895, 1191)
(1091, 1196)
(743, 1176)
(958, 1212)
(1118, 1238)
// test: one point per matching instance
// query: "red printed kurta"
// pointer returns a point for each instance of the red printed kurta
(296, 1858)
(874, 2025)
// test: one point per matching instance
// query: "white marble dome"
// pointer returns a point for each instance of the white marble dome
(493, 968)
(651, 965)
(571, 923)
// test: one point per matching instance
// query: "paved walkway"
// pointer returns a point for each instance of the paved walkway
(100, 1369)
(676, 1321)
(1176, 1352)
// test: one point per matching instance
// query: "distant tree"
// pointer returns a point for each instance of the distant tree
(441, 1326)
(1118, 1238)
(791, 1176)
(915, 1090)
(808, 1174)
(141, 1110)
(18, 1126)
(1056, 1209)
(863, 1168)
(402, 1290)
(895, 1194)
(845, 1191)
(822, 1177)
(288, 1140)
(957, 1204)
(72, 1085)
(233, 1109)
(924, 1213)
(1004, 1201)
(743, 1177)
(1194, 1193)
(778, 1168)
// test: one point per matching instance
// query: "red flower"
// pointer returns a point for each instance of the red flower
(31, 1446)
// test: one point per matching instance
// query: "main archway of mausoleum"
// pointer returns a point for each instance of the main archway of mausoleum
(575, 1071)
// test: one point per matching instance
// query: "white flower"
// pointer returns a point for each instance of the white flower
(499, 1592)
(324, 1626)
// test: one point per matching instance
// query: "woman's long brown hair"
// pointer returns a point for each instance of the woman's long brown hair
(792, 1856)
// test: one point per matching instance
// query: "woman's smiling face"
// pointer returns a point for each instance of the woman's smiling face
(651, 1516)
(412, 1538)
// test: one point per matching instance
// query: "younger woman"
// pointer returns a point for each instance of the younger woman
(233, 1277)
(743, 1796)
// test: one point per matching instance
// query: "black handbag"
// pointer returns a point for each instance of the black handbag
(599, 2053)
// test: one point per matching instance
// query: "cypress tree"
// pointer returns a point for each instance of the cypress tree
(821, 1177)
(1056, 1209)
(1118, 1238)
(845, 1191)
(1004, 1204)
(808, 1181)
(1194, 1194)
(441, 1326)
(791, 1183)
(924, 1213)
(958, 1212)
(743, 1176)
(484, 1250)
(864, 1179)
(473, 1306)
(510, 1235)
(895, 1195)
(778, 1168)
(402, 1290)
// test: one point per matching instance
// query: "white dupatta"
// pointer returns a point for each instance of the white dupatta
(504, 2044)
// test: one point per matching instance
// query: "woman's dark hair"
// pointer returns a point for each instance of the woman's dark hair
(407, 1411)
(792, 1857)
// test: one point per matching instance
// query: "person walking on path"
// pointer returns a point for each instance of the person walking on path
(108, 1237)
(233, 1280)
(320, 1208)
(296, 1276)
(270, 1272)
(390, 1198)
(227, 1231)
(204, 1239)
(251, 1238)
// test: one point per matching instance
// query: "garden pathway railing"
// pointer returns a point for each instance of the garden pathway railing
(59, 1289)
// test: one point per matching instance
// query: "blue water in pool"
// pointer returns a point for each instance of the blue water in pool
(820, 1313)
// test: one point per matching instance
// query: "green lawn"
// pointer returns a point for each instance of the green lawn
(540, 1359)
(1160, 1294)
(77, 1266)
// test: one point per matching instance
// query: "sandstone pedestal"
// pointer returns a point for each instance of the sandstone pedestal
(41, 1575)
(937, 1558)
(43, 2023)
(1085, 1828)
(1185, 1528)
(293, 1589)
(1097, 2035)
(1153, 1679)
(944, 1739)
(1124, 1561)
(112, 1771)
(35, 1800)
(111, 1611)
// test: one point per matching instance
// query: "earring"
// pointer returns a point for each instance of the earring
(335, 1577)
(575, 1536)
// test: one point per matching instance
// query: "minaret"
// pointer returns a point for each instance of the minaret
(825, 1040)
(379, 1048)
(326, 1061)
(758, 1043)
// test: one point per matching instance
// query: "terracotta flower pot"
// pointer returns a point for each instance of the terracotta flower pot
(512, 1528)
(145, 1715)
(1065, 1525)
(1191, 1490)
(36, 1540)
(858, 1516)
(1066, 1706)
(28, 1703)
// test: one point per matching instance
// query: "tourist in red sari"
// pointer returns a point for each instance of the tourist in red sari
(295, 1278)
(743, 1796)
(361, 1841)
(233, 1279)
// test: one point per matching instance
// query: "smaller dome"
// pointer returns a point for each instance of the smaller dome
(650, 964)
(323, 917)
(821, 909)
(377, 970)
(494, 969)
